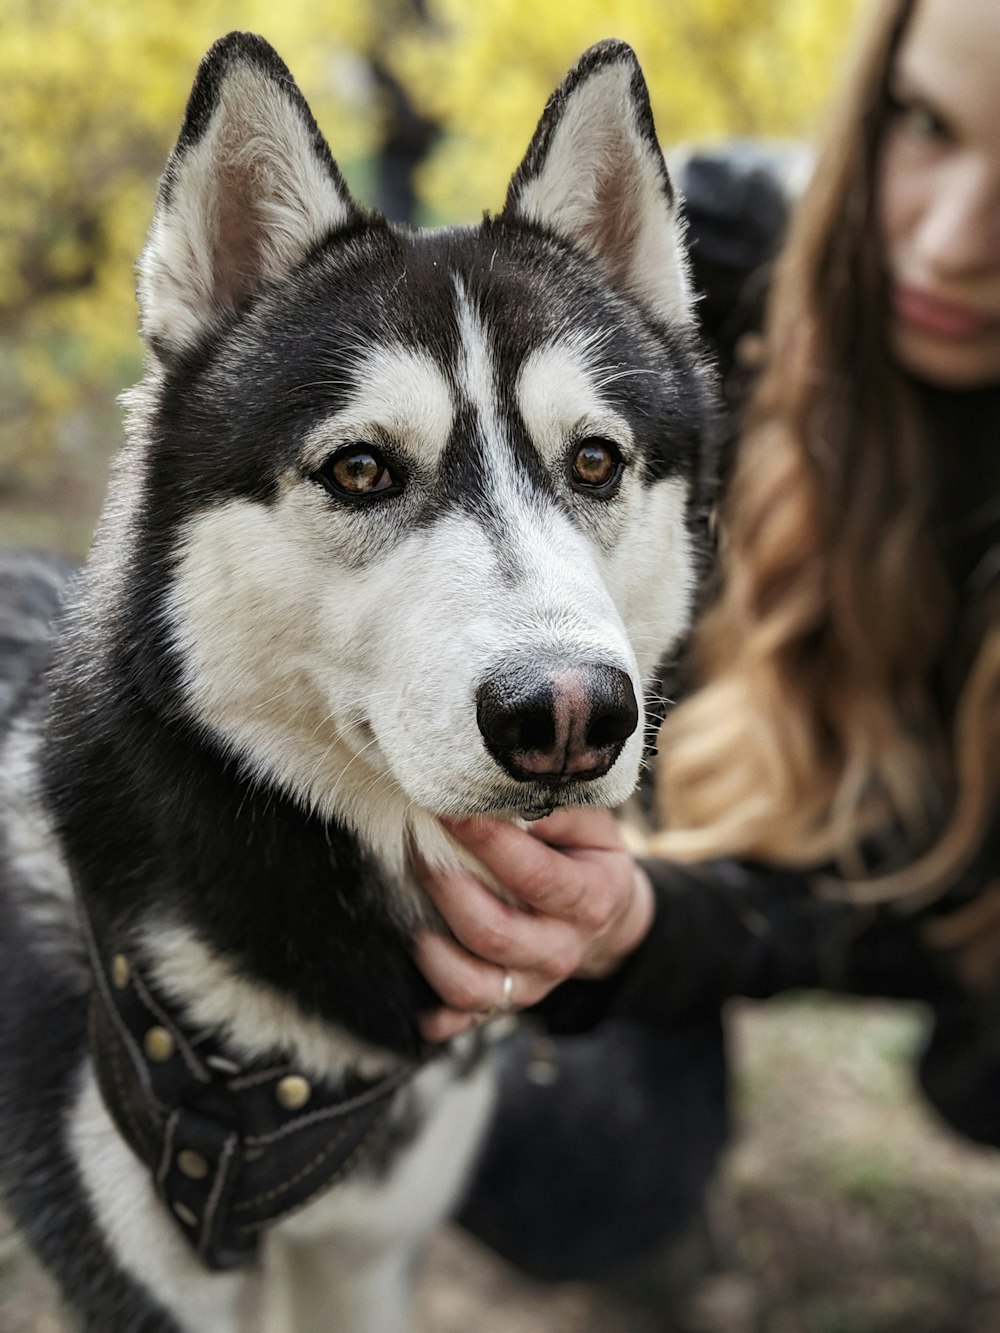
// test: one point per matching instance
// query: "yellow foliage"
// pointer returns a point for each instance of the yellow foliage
(484, 69)
(94, 91)
(93, 95)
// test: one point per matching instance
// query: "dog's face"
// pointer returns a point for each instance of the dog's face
(423, 503)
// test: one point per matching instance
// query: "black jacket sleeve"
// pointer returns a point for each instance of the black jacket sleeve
(728, 929)
(738, 196)
(960, 1066)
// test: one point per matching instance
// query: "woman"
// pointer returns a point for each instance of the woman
(845, 724)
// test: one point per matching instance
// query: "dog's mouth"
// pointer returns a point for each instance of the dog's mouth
(538, 801)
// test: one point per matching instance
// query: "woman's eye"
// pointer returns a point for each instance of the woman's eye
(356, 472)
(918, 119)
(595, 465)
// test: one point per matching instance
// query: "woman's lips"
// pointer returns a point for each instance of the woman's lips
(928, 313)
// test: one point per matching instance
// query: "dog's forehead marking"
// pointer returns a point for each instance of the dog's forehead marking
(476, 370)
(558, 392)
(401, 391)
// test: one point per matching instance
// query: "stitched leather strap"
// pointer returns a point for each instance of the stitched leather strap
(231, 1149)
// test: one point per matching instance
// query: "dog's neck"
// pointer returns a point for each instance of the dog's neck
(169, 845)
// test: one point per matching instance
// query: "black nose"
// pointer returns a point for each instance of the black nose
(562, 726)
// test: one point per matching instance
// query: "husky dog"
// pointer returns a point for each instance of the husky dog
(404, 527)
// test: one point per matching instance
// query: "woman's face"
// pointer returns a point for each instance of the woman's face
(939, 194)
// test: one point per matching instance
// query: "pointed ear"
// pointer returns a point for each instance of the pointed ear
(595, 176)
(249, 189)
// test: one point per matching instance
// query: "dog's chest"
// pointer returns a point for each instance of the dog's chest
(365, 1225)
(400, 1194)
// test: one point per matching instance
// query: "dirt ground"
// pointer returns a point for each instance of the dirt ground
(841, 1208)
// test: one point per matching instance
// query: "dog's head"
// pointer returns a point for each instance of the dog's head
(423, 504)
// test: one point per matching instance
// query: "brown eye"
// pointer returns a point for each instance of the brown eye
(357, 472)
(595, 465)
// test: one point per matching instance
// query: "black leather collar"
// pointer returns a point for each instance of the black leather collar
(231, 1148)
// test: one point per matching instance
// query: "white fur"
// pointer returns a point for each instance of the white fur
(30, 840)
(600, 187)
(286, 200)
(252, 1018)
(144, 1240)
(647, 560)
(559, 395)
(337, 651)
(348, 1258)
(478, 375)
(399, 392)
(31, 848)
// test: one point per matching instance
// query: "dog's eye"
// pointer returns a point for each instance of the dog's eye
(595, 465)
(357, 472)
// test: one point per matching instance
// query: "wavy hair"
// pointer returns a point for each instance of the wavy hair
(813, 725)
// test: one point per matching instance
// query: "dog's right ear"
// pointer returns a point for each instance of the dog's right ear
(249, 190)
(595, 177)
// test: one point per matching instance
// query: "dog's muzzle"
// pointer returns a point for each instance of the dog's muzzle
(557, 726)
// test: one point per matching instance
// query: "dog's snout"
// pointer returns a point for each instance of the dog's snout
(562, 726)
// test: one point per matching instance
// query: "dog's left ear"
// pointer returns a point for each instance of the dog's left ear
(594, 175)
(248, 192)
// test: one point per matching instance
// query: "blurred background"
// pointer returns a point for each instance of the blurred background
(428, 106)
(841, 1208)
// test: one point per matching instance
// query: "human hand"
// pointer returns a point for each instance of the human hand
(582, 905)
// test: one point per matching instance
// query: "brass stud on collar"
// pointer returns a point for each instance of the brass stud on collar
(121, 973)
(192, 1164)
(292, 1092)
(159, 1045)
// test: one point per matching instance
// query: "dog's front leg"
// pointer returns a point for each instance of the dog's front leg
(141, 1237)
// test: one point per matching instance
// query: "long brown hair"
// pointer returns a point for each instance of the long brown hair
(814, 722)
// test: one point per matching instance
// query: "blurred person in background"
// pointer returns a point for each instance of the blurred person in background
(829, 785)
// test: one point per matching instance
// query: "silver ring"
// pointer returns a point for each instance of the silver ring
(506, 995)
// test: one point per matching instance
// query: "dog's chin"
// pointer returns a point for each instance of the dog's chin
(532, 801)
